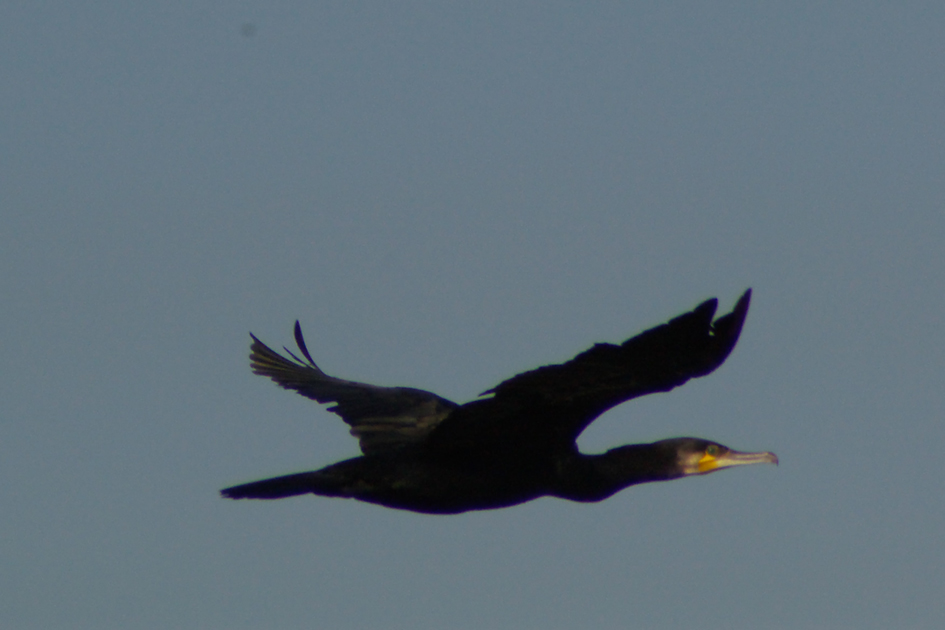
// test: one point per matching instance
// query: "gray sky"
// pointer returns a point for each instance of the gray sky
(446, 195)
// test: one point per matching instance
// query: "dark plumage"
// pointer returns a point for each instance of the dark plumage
(518, 441)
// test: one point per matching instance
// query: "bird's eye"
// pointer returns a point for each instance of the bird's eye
(712, 450)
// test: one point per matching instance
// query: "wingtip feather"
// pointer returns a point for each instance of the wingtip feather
(728, 329)
(300, 342)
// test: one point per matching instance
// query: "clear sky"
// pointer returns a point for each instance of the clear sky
(446, 194)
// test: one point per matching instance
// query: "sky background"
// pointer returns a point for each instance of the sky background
(446, 194)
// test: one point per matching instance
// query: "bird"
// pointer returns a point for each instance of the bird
(517, 441)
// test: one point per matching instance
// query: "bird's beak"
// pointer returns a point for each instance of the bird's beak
(708, 463)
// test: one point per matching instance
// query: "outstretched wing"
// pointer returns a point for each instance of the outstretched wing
(556, 403)
(382, 418)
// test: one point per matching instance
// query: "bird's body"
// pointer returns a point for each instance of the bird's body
(427, 454)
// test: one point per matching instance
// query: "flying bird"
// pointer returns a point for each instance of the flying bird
(517, 441)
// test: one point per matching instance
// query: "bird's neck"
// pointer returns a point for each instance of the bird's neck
(596, 477)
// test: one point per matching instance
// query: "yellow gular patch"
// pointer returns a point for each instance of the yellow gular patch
(707, 463)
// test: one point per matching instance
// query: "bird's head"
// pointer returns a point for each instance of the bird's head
(695, 456)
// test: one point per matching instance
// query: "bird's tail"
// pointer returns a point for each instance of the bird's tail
(315, 482)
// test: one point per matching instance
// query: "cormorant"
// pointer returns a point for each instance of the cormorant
(517, 441)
